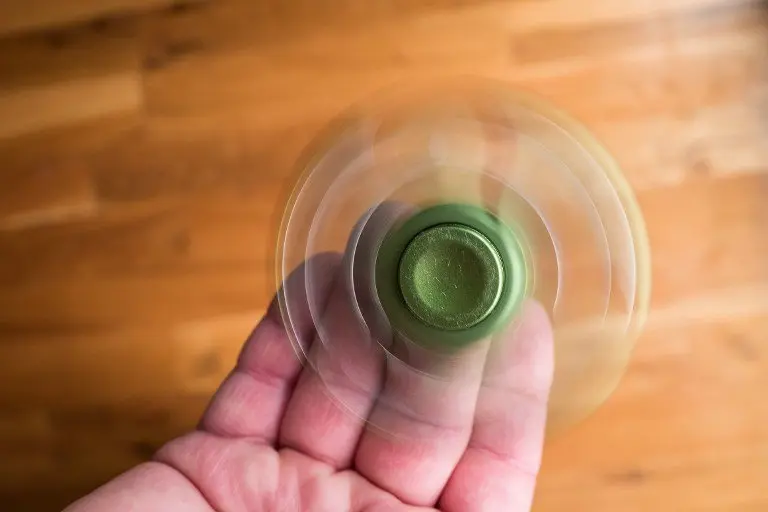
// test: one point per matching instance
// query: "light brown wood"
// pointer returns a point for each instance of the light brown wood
(143, 161)
(685, 427)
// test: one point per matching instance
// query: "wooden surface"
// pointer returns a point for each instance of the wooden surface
(143, 156)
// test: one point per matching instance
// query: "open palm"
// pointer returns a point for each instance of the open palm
(275, 438)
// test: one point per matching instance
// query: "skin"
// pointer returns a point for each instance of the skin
(274, 437)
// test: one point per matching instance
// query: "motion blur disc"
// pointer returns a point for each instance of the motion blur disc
(453, 208)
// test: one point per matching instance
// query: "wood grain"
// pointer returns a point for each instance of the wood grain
(684, 421)
(27, 15)
(50, 82)
(45, 195)
(146, 150)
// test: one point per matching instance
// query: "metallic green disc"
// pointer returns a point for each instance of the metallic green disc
(451, 276)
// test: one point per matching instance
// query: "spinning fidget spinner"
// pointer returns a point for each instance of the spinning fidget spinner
(452, 209)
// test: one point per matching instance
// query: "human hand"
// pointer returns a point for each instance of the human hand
(274, 438)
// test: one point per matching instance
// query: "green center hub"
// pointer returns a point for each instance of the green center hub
(451, 276)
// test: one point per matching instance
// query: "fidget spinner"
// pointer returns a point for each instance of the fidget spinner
(453, 207)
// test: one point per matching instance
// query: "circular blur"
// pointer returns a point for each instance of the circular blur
(583, 242)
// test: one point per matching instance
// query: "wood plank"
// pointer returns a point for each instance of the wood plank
(707, 235)
(63, 103)
(720, 139)
(227, 25)
(45, 195)
(75, 306)
(28, 15)
(102, 367)
(82, 445)
(237, 23)
(706, 93)
(660, 30)
(74, 146)
(713, 433)
(47, 178)
(147, 241)
(95, 369)
(358, 63)
(25, 440)
(177, 159)
(51, 82)
(35, 59)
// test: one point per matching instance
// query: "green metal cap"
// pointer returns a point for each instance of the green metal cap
(450, 274)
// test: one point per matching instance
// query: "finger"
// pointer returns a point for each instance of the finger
(334, 395)
(423, 421)
(498, 470)
(251, 401)
(327, 410)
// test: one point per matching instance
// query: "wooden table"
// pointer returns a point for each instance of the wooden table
(147, 144)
